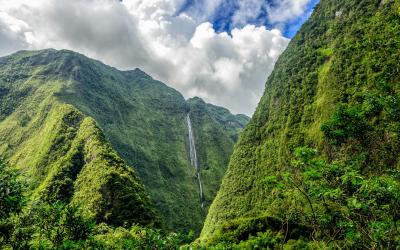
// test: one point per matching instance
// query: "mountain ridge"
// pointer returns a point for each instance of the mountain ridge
(143, 119)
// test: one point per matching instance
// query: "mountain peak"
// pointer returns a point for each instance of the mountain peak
(137, 73)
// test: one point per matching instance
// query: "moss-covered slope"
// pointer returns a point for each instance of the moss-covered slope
(336, 89)
(65, 157)
(143, 119)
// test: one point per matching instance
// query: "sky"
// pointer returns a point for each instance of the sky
(220, 50)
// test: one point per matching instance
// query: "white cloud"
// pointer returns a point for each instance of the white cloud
(287, 10)
(201, 10)
(13, 33)
(248, 10)
(279, 12)
(227, 70)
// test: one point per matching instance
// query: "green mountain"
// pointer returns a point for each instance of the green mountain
(319, 160)
(74, 126)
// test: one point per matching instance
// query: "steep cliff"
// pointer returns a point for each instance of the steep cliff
(320, 157)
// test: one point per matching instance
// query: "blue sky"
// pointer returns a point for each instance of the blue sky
(222, 17)
(292, 27)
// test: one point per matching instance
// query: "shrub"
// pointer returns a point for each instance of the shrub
(346, 123)
(11, 191)
(11, 200)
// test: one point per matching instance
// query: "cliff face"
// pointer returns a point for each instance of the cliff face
(144, 124)
(332, 100)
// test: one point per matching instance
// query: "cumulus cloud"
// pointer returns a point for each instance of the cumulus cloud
(238, 13)
(287, 10)
(13, 34)
(179, 49)
(276, 11)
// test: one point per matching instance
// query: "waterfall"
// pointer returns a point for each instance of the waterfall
(193, 157)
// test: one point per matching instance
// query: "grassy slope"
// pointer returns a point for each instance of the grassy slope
(63, 153)
(143, 119)
(348, 52)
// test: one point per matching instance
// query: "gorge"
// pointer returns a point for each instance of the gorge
(193, 158)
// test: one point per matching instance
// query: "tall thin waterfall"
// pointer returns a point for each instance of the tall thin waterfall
(193, 157)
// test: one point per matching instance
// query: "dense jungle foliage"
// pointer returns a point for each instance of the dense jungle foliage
(57, 225)
(318, 164)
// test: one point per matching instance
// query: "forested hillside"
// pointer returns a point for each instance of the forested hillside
(318, 164)
(55, 107)
(92, 157)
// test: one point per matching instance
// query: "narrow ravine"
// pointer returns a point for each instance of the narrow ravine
(193, 158)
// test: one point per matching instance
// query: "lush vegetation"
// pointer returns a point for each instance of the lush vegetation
(71, 162)
(317, 167)
(321, 154)
(320, 204)
(75, 191)
(65, 157)
(59, 225)
(145, 122)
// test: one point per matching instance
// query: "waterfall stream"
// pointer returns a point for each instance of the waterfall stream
(193, 157)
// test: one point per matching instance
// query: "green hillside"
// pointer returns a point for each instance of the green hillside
(62, 152)
(56, 105)
(318, 164)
